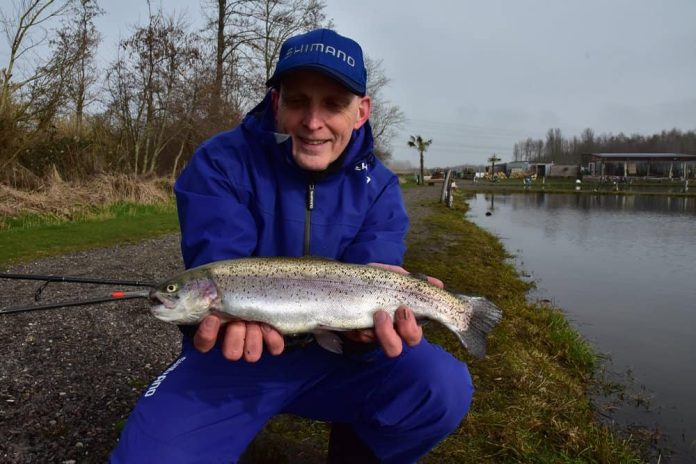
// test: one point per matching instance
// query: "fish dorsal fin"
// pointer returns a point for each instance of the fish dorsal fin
(318, 258)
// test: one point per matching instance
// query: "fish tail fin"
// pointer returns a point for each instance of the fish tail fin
(485, 315)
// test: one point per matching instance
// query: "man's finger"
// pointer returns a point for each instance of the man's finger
(253, 342)
(273, 339)
(407, 326)
(389, 267)
(207, 333)
(361, 336)
(435, 281)
(386, 335)
(233, 342)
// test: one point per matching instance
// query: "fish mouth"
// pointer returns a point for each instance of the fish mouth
(156, 299)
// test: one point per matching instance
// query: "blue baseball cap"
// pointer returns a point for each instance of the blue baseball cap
(325, 51)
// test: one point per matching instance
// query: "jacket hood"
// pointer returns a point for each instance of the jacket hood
(261, 122)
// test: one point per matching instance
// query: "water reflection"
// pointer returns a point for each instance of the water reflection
(666, 204)
(622, 268)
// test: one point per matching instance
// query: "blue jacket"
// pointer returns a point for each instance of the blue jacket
(242, 194)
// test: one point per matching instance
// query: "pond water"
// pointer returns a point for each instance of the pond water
(623, 268)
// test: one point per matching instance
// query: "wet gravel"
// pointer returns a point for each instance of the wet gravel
(69, 377)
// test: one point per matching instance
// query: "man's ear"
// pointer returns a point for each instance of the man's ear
(275, 99)
(364, 108)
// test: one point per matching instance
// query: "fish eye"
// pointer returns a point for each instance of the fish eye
(171, 288)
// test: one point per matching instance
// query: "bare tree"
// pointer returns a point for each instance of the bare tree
(25, 30)
(192, 124)
(71, 72)
(275, 22)
(385, 117)
(85, 38)
(144, 83)
(232, 24)
(528, 149)
(538, 150)
(553, 149)
(587, 140)
(247, 38)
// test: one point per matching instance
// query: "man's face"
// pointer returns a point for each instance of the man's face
(319, 114)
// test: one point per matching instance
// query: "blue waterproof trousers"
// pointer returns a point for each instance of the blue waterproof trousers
(206, 409)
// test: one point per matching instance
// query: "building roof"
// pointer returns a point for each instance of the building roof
(518, 164)
(665, 156)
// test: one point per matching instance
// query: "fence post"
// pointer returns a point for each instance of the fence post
(444, 195)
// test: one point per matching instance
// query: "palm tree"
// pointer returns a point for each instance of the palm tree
(421, 145)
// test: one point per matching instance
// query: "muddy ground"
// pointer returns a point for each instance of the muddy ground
(69, 377)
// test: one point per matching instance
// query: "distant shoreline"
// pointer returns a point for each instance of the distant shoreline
(569, 186)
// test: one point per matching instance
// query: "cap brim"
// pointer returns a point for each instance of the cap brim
(351, 85)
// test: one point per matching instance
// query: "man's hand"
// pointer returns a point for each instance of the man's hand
(239, 339)
(392, 334)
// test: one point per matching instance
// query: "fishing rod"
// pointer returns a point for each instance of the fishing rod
(114, 296)
(83, 280)
(47, 279)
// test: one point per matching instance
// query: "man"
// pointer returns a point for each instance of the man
(298, 177)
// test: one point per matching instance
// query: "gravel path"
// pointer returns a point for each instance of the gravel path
(69, 377)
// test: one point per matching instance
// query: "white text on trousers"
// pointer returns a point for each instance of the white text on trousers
(156, 383)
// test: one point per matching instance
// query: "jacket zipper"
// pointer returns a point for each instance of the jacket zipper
(308, 218)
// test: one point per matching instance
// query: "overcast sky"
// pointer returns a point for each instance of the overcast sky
(478, 76)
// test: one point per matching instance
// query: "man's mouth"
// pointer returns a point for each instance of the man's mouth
(312, 141)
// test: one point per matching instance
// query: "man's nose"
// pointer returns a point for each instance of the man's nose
(312, 118)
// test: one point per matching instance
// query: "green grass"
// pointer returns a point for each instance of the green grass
(407, 183)
(33, 236)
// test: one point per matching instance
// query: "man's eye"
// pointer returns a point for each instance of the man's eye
(294, 102)
(335, 105)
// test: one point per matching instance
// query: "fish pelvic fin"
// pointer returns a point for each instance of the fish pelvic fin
(484, 317)
(328, 340)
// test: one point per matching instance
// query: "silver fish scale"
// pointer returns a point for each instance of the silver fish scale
(298, 295)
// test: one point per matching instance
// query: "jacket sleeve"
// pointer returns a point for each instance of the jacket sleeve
(381, 236)
(216, 222)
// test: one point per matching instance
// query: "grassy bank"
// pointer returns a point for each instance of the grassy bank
(531, 403)
(31, 236)
(60, 217)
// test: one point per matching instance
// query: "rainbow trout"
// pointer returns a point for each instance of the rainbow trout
(300, 295)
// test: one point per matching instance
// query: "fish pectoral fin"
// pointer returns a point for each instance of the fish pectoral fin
(225, 317)
(215, 306)
(328, 340)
